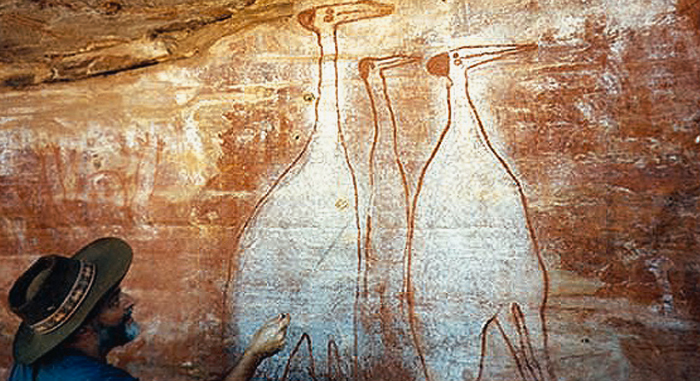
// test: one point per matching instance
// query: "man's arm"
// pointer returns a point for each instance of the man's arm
(267, 341)
(245, 368)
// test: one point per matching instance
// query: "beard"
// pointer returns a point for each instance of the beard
(114, 336)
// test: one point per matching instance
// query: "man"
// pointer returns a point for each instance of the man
(74, 313)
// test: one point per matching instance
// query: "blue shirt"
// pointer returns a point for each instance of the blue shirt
(69, 366)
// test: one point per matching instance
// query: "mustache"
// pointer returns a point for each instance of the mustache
(128, 314)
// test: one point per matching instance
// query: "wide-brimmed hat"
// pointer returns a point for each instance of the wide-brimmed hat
(55, 295)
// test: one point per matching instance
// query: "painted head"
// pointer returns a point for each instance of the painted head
(327, 18)
(458, 61)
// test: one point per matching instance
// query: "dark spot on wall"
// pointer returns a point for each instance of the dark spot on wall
(19, 81)
(111, 8)
(691, 10)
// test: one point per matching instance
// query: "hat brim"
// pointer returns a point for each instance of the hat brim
(112, 258)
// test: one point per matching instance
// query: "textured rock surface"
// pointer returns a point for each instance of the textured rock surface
(165, 123)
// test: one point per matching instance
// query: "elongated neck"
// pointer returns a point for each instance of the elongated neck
(326, 135)
(383, 118)
(464, 117)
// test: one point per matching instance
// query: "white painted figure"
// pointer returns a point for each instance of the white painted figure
(475, 265)
(385, 335)
(300, 251)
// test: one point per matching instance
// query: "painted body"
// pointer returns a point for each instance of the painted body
(475, 266)
(300, 251)
(386, 335)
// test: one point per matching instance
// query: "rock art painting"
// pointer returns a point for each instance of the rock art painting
(474, 264)
(300, 251)
(420, 277)
(433, 190)
(385, 228)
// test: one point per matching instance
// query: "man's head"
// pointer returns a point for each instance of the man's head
(107, 326)
(57, 296)
(113, 323)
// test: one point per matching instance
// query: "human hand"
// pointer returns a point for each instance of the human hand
(270, 337)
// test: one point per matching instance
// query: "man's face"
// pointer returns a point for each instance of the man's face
(115, 326)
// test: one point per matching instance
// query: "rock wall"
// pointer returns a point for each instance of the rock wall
(435, 190)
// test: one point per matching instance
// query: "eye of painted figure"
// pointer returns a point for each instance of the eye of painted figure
(329, 15)
(457, 59)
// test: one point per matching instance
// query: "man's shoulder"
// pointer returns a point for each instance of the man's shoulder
(70, 367)
(87, 368)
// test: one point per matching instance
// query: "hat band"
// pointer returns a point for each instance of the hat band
(77, 294)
